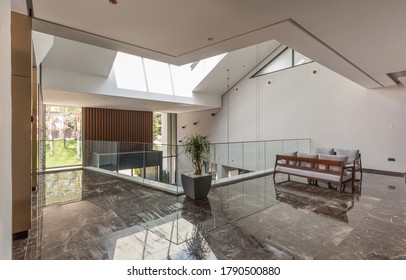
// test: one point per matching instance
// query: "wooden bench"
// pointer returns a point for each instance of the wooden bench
(315, 169)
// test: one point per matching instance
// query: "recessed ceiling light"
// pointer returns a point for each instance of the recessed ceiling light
(210, 39)
(114, 2)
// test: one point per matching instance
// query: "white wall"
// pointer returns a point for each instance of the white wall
(5, 128)
(328, 108)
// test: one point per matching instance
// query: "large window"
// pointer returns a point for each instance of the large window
(63, 143)
(286, 59)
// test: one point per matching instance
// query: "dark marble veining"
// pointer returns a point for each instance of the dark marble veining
(86, 215)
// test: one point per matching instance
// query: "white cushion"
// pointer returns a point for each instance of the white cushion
(325, 151)
(306, 164)
(307, 173)
(332, 157)
(351, 154)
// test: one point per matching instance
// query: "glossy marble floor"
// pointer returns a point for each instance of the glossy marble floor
(85, 215)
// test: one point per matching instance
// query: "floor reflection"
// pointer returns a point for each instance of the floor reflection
(316, 199)
(62, 187)
(173, 240)
(86, 215)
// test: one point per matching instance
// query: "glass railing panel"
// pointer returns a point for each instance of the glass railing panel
(130, 160)
(235, 165)
(161, 164)
(101, 155)
(272, 148)
(183, 164)
(262, 155)
(304, 146)
(220, 158)
(251, 157)
(141, 162)
(290, 146)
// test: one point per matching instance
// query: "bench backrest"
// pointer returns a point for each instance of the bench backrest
(335, 167)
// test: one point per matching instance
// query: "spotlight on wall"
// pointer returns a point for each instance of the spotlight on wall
(184, 126)
(180, 141)
(315, 71)
(213, 114)
(195, 123)
(269, 82)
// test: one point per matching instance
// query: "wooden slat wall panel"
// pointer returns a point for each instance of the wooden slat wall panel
(117, 125)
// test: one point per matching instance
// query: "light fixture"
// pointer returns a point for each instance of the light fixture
(114, 2)
(184, 126)
(210, 39)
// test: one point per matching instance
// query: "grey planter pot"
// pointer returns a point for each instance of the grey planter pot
(196, 187)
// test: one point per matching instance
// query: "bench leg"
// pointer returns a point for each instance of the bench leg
(352, 184)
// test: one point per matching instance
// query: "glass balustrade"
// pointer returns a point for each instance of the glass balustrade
(160, 166)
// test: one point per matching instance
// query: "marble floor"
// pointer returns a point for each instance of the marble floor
(86, 215)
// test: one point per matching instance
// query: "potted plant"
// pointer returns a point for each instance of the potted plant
(197, 185)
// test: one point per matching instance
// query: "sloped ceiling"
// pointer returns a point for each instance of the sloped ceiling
(360, 40)
(78, 57)
(235, 66)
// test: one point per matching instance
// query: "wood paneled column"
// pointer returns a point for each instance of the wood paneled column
(21, 123)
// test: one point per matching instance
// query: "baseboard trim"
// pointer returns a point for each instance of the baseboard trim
(20, 235)
(384, 172)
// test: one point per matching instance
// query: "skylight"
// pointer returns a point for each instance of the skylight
(129, 72)
(142, 74)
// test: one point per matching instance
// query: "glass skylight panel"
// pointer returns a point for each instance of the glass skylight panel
(142, 74)
(286, 59)
(183, 81)
(158, 76)
(129, 72)
(282, 61)
(300, 59)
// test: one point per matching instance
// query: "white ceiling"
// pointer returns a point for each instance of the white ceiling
(365, 34)
(362, 40)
